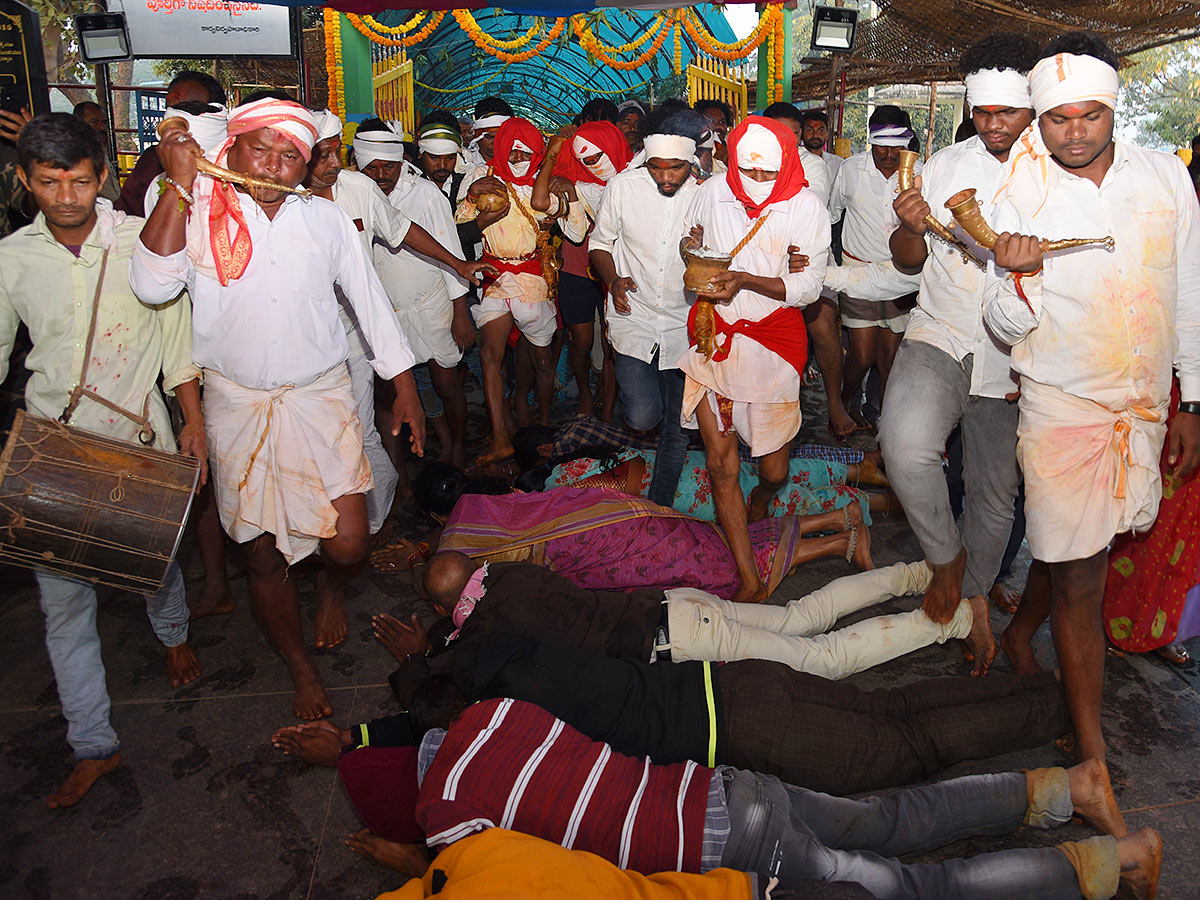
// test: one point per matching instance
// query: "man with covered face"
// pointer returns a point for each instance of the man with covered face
(949, 371)
(634, 250)
(750, 388)
(1095, 334)
(284, 435)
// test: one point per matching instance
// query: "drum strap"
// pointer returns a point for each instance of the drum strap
(146, 433)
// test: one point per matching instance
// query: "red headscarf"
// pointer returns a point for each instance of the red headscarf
(510, 132)
(608, 138)
(791, 172)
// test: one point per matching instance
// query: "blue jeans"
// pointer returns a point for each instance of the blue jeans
(794, 833)
(650, 395)
(74, 646)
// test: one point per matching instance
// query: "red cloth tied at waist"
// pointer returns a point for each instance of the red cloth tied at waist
(782, 332)
(531, 266)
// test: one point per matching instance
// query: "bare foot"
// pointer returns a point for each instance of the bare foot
(1004, 598)
(331, 625)
(980, 641)
(497, 453)
(875, 457)
(1176, 654)
(1092, 796)
(182, 665)
(1141, 858)
(756, 506)
(318, 743)
(80, 781)
(945, 589)
(861, 423)
(862, 546)
(407, 859)
(869, 473)
(1020, 653)
(755, 593)
(310, 701)
(841, 426)
(213, 603)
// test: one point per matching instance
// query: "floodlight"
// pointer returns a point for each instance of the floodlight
(103, 37)
(833, 28)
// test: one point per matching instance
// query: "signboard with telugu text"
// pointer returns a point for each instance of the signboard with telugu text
(22, 66)
(206, 29)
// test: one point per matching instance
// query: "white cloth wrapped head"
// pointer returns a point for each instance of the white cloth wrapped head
(669, 146)
(583, 149)
(328, 125)
(437, 139)
(384, 145)
(998, 87)
(759, 149)
(285, 117)
(209, 128)
(889, 135)
(1067, 78)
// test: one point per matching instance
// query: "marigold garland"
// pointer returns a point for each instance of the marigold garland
(333, 63)
(363, 29)
(779, 47)
(738, 49)
(678, 60)
(468, 24)
(403, 28)
(588, 41)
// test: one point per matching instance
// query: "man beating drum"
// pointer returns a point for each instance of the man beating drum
(65, 276)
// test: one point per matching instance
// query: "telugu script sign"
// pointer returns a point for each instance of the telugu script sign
(22, 67)
(206, 28)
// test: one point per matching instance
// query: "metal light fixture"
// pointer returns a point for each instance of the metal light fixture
(833, 28)
(103, 37)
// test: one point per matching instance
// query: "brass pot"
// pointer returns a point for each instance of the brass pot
(698, 274)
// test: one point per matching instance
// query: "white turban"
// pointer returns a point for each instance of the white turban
(491, 122)
(669, 146)
(287, 117)
(328, 125)
(759, 149)
(583, 149)
(207, 128)
(438, 140)
(1067, 78)
(998, 87)
(372, 145)
(889, 135)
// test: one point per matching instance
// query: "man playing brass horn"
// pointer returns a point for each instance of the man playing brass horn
(1095, 334)
(949, 371)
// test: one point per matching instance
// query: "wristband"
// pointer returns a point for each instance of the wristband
(183, 193)
(1191, 407)
(1017, 278)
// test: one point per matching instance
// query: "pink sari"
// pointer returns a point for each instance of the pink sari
(606, 540)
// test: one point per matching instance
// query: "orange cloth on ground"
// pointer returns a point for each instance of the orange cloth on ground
(492, 863)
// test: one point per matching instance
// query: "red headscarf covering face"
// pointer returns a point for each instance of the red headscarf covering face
(790, 179)
(608, 138)
(510, 132)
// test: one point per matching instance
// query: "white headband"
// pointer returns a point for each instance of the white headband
(889, 136)
(328, 125)
(372, 145)
(438, 146)
(518, 145)
(491, 122)
(998, 87)
(759, 149)
(207, 128)
(669, 146)
(1067, 78)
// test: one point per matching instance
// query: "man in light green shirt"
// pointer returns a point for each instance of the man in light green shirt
(49, 272)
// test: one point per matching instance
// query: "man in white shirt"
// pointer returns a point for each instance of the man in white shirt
(64, 277)
(1095, 334)
(864, 190)
(750, 388)
(635, 251)
(490, 114)
(284, 434)
(814, 133)
(949, 370)
(428, 295)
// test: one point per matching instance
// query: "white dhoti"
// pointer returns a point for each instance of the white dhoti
(1090, 472)
(763, 426)
(280, 457)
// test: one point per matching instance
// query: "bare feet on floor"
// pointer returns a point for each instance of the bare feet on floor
(1004, 598)
(213, 603)
(317, 743)
(80, 781)
(841, 426)
(1141, 859)
(182, 665)
(407, 859)
(869, 473)
(310, 701)
(980, 643)
(496, 453)
(756, 505)
(861, 551)
(945, 589)
(331, 625)
(1092, 796)
(1019, 651)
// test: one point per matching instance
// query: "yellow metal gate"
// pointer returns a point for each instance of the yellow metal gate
(392, 80)
(714, 79)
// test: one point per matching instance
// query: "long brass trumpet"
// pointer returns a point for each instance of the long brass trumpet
(250, 182)
(904, 178)
(965, 209)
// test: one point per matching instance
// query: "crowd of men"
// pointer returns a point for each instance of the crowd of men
(294, 335)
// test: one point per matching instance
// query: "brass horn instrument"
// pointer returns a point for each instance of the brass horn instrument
(904, 178)
(965, 209)
(250, 182)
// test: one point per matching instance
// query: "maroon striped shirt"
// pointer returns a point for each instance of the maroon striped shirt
(509, 764)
